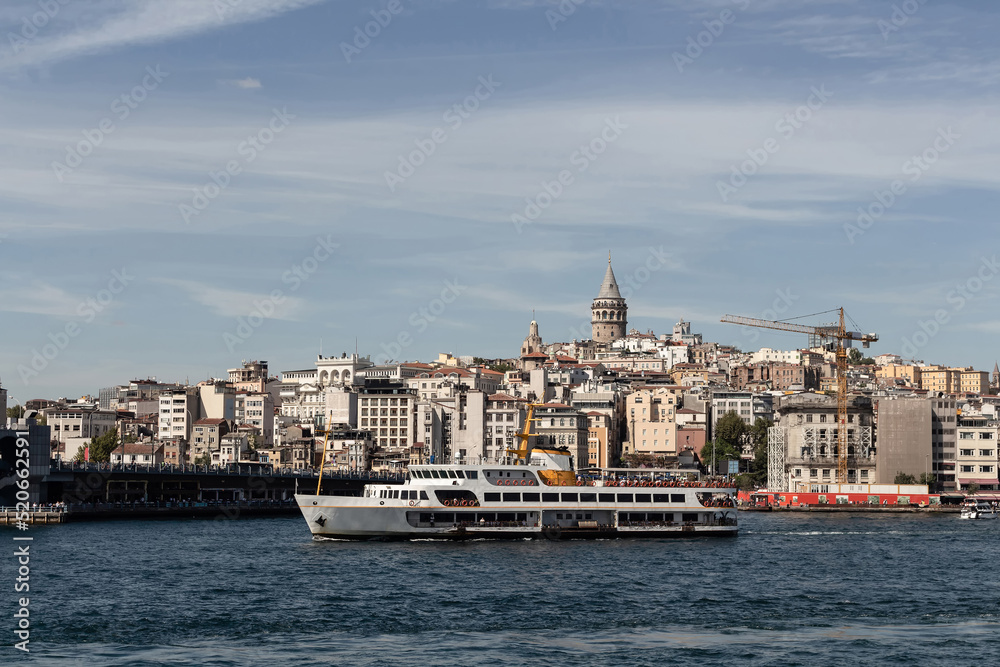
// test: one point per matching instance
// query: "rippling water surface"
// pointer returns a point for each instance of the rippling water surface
(790, 590)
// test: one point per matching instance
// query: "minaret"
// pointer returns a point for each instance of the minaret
(996, 376)
(608, 313)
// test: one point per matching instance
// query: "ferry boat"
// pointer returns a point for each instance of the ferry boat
(977, 509)
(536, 494)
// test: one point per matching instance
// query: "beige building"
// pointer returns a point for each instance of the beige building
(899, 374)
(651, 418)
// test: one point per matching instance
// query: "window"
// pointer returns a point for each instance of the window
(968, 468)
(529, 497)
(511, 497)
(986, 452)
(624, 497)
(642, 498)
(966, 452)
(550, 497)
(569, 497)
(985, 468)
(588, 497)
(492, 497)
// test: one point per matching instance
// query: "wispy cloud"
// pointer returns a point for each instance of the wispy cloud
(236, 303)
(247, 83)
(145, 22)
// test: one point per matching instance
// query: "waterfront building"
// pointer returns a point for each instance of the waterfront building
(944, 421)
(976, 460)
(803, 443)
(903, 438)
(341, 371)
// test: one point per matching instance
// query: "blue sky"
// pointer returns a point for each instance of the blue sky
(727, 144)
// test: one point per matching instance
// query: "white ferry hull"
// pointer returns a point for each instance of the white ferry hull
(356, 518)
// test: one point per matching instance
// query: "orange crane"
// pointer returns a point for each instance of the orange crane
(841, 334)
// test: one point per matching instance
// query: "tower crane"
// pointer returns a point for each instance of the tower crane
(841, 334)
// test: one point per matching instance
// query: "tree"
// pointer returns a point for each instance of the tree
(102, 446)
(855, 358)
(971, 488)
(15, 412)
(758, 439)
(904, 478)
(203, 460)
(78, 457)
(928, 478)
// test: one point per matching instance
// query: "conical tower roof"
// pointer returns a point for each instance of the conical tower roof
(609, 288)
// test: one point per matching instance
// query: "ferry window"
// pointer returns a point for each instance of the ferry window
(689, 516)
(606, 497)
(492, 497)
(522, 517)
(529, 497)
(451, 473)
(461, 475)
(676, 497)
(550, 497)
(423, 495)
(588, 497)
(654, 516)
(474, 474)
(511, 497)
(624, 497)
(579, 516)
(661, 497)
(434, 474)
(588, 517)
(487, 473)
(569, 497)
(559, 516)
(642, 498)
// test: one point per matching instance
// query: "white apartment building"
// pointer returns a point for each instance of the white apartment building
(977, 461)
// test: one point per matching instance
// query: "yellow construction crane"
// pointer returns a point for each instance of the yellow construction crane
(841, 334)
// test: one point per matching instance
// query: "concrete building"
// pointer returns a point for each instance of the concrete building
(3, 407)
(609, 312)
(976, 461)
(256, 409)
(179, 410)
(505, 415)
(601, 453)
(387, 410)
(217, 400)
(341, 406)
(206, 436)
(682, 334)
(903, 438)
(944, 421)
(559, 425)
(803, 443)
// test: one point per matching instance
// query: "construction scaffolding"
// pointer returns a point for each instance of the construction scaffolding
(777, 475)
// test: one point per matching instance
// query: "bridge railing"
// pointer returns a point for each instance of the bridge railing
(245, 469)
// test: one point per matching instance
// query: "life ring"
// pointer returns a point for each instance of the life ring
(412, 503)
